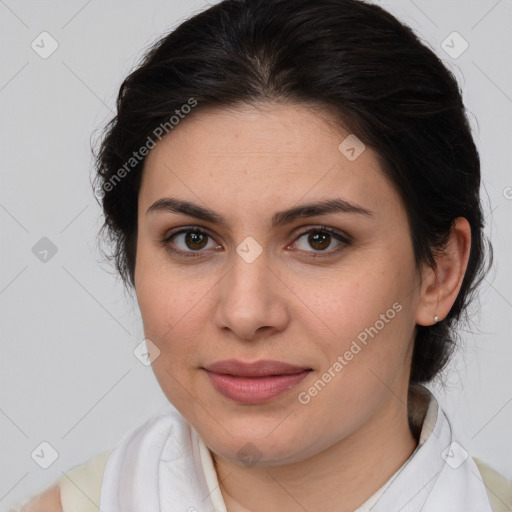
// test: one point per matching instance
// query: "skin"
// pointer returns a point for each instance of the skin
(245, 164)
(48, 501)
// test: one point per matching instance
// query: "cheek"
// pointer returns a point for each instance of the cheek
(364, 315)
(170, 308)
(166, 293)
(345, 301)
(173, 320)
(171, 316)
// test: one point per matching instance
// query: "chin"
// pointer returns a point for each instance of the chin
(251, 441)
(247, 452)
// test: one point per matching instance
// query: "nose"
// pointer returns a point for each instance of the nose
(252, 300)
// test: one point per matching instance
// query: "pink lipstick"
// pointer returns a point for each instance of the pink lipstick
(254, 383)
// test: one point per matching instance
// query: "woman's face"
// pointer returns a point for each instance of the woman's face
(330, 297)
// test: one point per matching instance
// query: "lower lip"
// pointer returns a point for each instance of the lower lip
(254, 390)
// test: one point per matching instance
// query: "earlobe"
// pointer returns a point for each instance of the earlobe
(441, 285)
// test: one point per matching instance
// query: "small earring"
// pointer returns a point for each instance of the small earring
(436, 319)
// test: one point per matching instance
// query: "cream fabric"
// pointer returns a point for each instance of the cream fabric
(80, 488)
(499, 489)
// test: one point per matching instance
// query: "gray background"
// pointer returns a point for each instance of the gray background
(68, 375)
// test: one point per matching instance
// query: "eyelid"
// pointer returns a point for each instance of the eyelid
(320, 227)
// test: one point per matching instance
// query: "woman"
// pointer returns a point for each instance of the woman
(292, 189)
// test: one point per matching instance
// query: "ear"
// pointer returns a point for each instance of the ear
(440, 286)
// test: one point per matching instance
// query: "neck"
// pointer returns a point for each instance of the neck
(341, 478)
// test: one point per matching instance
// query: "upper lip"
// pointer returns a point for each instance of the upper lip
(256, 369)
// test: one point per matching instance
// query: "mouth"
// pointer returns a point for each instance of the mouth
(254, 383)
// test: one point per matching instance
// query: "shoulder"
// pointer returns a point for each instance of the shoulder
(80, 487)
(46, 501)
(499, 489)
(78, 490)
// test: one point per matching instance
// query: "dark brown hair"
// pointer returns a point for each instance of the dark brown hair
(356, 60)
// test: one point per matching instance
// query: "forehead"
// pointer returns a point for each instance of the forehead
(247, 157)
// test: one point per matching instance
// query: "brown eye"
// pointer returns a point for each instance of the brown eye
(195, 241)
(320, 240)
(189, 242)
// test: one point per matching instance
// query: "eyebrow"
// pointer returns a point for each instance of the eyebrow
(280, 218)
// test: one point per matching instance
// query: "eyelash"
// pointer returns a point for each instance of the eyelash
(345, 241)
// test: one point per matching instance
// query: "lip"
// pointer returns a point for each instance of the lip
(261, 368)
(254, 383)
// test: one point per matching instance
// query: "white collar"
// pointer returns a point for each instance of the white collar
(164, 466)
